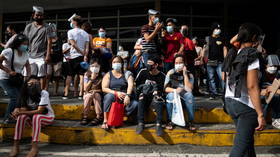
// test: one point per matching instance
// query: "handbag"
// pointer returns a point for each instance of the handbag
(15, 80)
(116, 113)
(177, 111)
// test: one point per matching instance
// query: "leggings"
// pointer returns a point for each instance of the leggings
(37, 121)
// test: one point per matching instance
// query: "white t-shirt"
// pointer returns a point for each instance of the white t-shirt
(81, 37)
(66, 46)
(45, 101)
(245, 98)
(10, 41)
(19, 62)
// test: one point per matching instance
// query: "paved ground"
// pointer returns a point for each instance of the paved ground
(184, 150)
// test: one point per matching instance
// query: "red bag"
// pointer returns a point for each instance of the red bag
(116, 113)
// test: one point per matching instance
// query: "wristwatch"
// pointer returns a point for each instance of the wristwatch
(128, 95)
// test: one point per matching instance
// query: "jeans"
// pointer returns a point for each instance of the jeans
(245, 119)
(143, 105)
(13, 93)
(211, 75)
(274, 104)
(188, 101)
(110, 98)
(145, 56)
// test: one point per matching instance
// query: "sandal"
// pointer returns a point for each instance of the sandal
(169, 126)
(105, 126)
(84, 121)
(190, 126)
(96, 121)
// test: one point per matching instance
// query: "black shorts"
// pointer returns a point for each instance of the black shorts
(74, 67)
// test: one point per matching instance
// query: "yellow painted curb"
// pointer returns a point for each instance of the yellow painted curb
(81, 135)
(73, 112)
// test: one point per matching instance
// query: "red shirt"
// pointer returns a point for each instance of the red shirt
(188, 44)
(173, 43)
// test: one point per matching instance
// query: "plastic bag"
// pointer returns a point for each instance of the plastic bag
(177, 111)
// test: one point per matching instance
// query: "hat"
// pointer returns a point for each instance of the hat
(70, 19)
(171, 20)
(215, 26)
(84, 65)
(273, 60)
(38, 9)
(153, 12)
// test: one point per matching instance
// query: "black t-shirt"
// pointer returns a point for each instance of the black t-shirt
(216, 51)
(144, 77)
(56, 55)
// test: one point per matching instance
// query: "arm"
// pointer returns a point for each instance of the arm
(105, 84)
(148, 37)
(86, 51)
(254, 93)
(28, 68)
(166, 84)
(130, 85)
(49, 49)
(7, 70)
(91, 42)
(181, 50)
(225, 51)
(40, 110)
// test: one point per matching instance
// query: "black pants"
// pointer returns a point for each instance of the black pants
(245, 119)
(143, 106)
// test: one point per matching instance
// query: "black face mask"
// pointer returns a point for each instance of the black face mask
(38, 20)
(150, 67)
(184, 32)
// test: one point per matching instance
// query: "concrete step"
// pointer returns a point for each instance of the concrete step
(71, 132)
(203, 114)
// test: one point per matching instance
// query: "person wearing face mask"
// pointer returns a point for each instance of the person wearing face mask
(149, 83)
(40, 43)
(54, 67)
(173, 41)
(180, 80)
(150, 34)
(12, 33)
(103, 48)
(16, 56)
(217, 51)
(120, 83)
(242, 95)
(93, 93)
(268, 77)
(79, 41)
(34, 109)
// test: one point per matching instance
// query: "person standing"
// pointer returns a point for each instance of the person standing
(242, 96)
(150, 35)
(12, 33)
(16, 56)
(173, 41)
(40, 43)
(216, 53)
(79, 41)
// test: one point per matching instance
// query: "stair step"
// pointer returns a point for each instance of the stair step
(208, 114)
(71, 132)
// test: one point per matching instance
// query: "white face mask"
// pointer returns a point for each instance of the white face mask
(179, 67)
(217, 31)
(271, 70)
(117, 66)
(94, 69)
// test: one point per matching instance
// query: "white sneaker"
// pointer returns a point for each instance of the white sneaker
(276, 123)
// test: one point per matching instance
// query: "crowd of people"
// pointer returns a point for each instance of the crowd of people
(167, 64)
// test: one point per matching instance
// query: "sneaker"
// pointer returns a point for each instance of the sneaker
(139, 128)
(6, 121)
(212, 97)
(80, 97)
(159, 130)
(64, 97)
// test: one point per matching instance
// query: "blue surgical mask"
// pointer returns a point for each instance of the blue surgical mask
(156, 20)
(72, 25)
(169, 29)
(23, 48)
(101, 34)
(117, 66)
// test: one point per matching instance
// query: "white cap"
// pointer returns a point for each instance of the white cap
(72, 17)
(38, 9)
